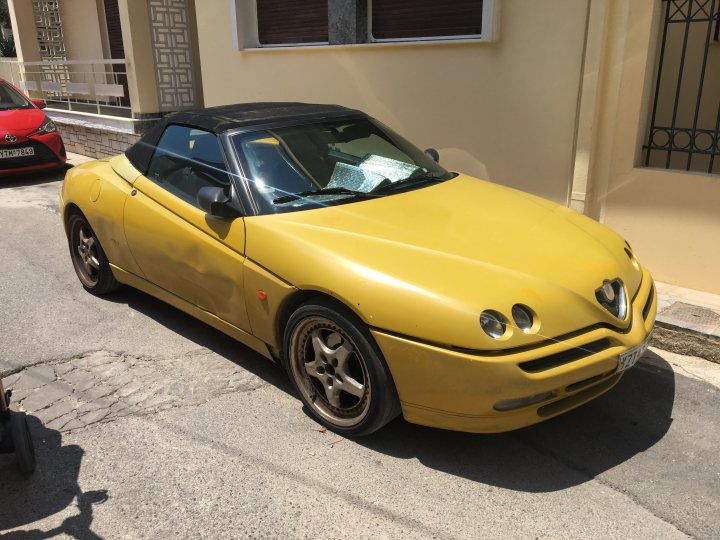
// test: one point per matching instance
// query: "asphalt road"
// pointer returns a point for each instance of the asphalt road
(149, 424)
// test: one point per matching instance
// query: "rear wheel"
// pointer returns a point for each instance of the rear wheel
(89, 260)
(338, 370)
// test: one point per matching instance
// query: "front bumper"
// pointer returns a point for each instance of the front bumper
(49, 153)
(450, 389)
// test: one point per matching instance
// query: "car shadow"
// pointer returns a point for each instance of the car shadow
(34, 178)
(562, 452)
(204, 335)
(51, 489)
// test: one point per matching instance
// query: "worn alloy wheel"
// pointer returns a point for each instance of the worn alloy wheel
(338, 370)
(88, 257)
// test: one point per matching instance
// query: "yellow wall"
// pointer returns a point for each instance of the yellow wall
(504, 111)
(671, 218)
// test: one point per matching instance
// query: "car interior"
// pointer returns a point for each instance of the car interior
(186, 160)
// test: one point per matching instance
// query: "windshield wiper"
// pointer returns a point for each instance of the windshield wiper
(328, 191)
(417, 177)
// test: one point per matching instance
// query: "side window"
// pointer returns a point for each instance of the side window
(187, 159)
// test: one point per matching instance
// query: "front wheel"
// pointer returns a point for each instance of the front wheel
(338, 370)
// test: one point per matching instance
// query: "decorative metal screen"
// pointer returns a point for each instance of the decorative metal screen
(685, 118)
(49, 29)
(51, 43)
(172, 49)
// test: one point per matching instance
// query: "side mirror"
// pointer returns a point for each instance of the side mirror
(216, 202)
(433, 154)
(39, 103)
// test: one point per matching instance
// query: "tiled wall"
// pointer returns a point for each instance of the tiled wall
(95, 143)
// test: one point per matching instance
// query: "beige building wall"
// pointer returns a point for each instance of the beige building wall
(142, 78)
(24, 33)
(505, 110)
(671, 218)
(81, 28)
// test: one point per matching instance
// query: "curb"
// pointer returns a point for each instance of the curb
(681, 340)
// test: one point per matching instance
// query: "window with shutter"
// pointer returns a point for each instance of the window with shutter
(117, 48)
(407, 19)
(285, 22)
(115, 40)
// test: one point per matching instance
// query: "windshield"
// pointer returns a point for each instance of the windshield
(307, 166)
(12, 99)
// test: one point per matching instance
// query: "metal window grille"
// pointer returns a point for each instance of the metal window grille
(685, 119)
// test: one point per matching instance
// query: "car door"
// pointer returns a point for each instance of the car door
(177, 246)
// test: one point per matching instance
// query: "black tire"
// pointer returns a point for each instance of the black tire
(88, 257)
(353, 398)
(22, 442)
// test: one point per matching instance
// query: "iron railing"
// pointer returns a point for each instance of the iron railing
(88, 86)
(685, 119)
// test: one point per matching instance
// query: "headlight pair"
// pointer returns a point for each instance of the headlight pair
(494, 323)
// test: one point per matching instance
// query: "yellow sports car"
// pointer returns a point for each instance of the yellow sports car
(383, 283)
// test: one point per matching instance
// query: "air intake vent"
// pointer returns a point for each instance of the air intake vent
(565, 357)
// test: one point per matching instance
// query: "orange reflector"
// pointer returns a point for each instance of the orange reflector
(262, 295)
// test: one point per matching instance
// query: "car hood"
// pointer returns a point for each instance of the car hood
(426, 263)
(20, 122)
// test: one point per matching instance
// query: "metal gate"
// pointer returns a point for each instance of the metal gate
(685, 118)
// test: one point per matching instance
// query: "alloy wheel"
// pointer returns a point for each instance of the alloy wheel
(330, 371)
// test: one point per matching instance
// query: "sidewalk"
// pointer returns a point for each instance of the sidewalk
(688, 322)
(77, 159)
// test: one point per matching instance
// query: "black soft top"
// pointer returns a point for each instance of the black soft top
(227, 117)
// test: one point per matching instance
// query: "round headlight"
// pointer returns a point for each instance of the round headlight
(523, 317)
(493, 323)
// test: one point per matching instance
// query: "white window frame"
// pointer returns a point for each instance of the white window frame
(245, 30)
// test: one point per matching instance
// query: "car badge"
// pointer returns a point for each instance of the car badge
(10, 138)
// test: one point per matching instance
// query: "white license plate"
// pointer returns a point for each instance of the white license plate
(629, 358)
(17, 152)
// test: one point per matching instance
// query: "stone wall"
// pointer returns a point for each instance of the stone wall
(94, 142)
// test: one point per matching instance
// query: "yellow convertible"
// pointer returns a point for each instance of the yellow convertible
(382, 282)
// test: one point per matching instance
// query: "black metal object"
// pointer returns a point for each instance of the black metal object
(684, 135)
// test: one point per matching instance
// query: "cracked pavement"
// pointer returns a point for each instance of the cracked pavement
(149, 424)
(103, 386)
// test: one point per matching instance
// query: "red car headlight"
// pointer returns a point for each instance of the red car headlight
(48, 126)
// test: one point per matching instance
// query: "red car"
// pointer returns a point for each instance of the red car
(29, 140)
